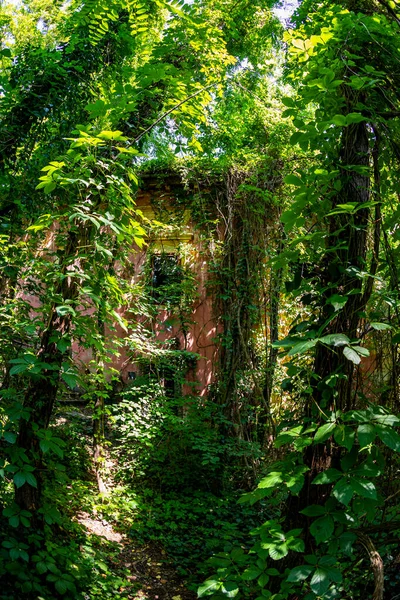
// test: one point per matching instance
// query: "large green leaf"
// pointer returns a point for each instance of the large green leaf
(251, 573)
(293, 180)
(324, 432)
(361, 351)
(208, 587)
(300, 573)
(328, 476)
(19, 479)
(322, 528)
(381, 326)
(278, 551)
(363, 488)
(366, 434)
(302, 347)
(31, 479)
(10, 437)
(343, 491)
(263, 580)
(335, 339)
(230, 589)
(61, 586)
(19, 368)
(271, 480)
(344, 436)
(337, 301)
(352, 355)
(315, 510)
(320, 581)
(388, 436)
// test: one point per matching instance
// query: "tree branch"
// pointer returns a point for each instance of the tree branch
(139, 137)
(390, 10)
(376, 564)
(378, 218)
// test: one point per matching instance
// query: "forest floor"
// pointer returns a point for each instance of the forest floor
(143, 571)
(149, 572)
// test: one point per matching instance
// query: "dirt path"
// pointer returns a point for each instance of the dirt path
(151, 576)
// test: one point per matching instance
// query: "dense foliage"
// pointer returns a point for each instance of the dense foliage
(281, 481)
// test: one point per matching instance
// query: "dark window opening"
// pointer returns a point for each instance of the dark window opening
(166, 278)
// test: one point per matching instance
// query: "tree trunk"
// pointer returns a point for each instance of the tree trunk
(39, 400)
(336, 278)
(41, 392)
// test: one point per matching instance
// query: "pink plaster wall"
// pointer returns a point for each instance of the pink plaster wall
(200, 337)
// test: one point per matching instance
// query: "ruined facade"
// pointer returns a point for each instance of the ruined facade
(173, 251)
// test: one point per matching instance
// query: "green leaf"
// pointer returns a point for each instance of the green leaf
(366, 434)
(322, 528)
(279, 551)
(10, 437)
(343, 491)
(300, 573)
(333, 573)
(350, 354)
(361, 351)
(320, 581)
(237, 554)
(69, 379)
(385, 418)
(302, 347)
(324, 432)
(49, 187)
(208, 587)
(380, 326)
(18, 368)
(388, 436)
(295, 544)
(293, 180)
(287, 342)
(271, 480)
(263, 580)
(61, 586)
(251, 573)
(315, 510)
(344, 436)
(217, 561)
(63, 344)
(289, 217)
(17, 553)
(19, 479)
(14, 521)
(339, 120)
(41, 567)
(31, 479)
(230, 589)
(346, 542)
(355, 118)
(365, 489)
(328, 476)
(289, 102)
(44, 446)
(335, 339)
(337, 301)
(273, 572)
